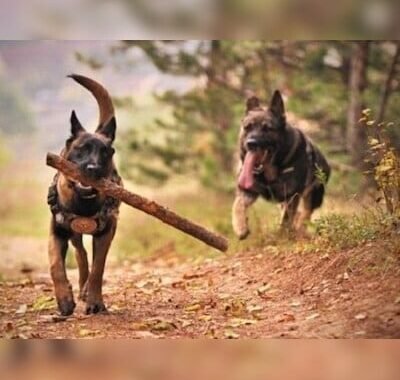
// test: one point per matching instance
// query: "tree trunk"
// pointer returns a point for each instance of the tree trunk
(356, 137)
(387, 89)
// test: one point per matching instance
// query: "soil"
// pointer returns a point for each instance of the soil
(345, 294)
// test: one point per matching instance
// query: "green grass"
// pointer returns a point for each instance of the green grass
(24, 210)
(142, 235)
(4, 154)
(25, 213)
(347, 231)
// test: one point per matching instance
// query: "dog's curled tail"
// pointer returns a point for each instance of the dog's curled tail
(103, 98)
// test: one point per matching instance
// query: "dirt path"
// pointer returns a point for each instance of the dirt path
(252, 294)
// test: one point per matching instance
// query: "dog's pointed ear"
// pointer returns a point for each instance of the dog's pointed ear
(108, 130)
(277, 107)
(76, 126)
(252, 103)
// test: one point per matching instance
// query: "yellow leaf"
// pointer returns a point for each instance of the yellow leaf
(231, 334)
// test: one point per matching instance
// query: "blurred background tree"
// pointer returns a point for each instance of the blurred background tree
(327, 82)
(15, 113)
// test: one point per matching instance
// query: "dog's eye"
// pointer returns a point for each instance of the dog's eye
(84, 148)
(107, 152)
(248, 127)
(265, 126)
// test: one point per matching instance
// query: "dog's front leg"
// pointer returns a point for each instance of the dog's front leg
(58, 245)
(239, 213)
(101, 245)
(82, 260)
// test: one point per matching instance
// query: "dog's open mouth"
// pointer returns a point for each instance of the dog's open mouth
(253, 164)
(86, 192)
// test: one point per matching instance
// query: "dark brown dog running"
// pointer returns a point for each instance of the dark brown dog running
(278, 163)
(78, 209)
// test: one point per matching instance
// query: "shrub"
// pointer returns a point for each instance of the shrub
(385, 163)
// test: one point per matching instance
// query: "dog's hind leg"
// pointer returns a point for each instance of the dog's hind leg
(82, 260)
(304, 215)
(239, 213)
(101, 245)
(289, 211)
(311, 200)
(58, 245)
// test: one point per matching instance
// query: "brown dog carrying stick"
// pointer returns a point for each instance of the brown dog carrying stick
(84, 198)
(111, 189)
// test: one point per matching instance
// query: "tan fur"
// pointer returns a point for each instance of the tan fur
(239, 214)
(62, 287)
(83, 265)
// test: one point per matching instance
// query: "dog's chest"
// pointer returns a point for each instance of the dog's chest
(280, 185)
(87, 216)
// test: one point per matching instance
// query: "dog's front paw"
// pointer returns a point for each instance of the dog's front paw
(243, 234)
(241, 230)
(95, 308)
(66, 306)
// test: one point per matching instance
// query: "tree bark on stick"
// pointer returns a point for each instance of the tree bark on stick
(111, 189)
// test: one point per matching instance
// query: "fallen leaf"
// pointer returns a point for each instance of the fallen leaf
(263, 289)
(85, 332)
(254, 308)
(193, 307)
(52, 318)
(231, 334)
(163, 326)
(205, 318)
(147, 334)
(178, 284)
(186, 323)
(235, 307)
(255, 311)
(145, 284)
(190, 276)
(312, 316)
(139, 326)
(361, 316)
(295, 303)
(115, 308)
(44, 303)
(286, 317)
(22, 310)
(237, 322)
(397, 300)
(360, 333)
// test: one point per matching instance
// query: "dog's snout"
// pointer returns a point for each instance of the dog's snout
(93, 169)
(252, 144)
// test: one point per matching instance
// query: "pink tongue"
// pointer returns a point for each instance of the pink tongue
(246, 178)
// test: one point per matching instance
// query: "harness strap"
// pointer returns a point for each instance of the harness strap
(64, 217)
(292, 151)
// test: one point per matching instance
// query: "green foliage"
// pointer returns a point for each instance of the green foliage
(321, 175)
(197, 136)
(4, 153)
(15, 114)
(385, 162)
(343, 231)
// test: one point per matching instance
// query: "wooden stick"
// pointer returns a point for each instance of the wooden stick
(149, 207)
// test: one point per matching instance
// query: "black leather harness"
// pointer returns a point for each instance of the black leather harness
(64, 218)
